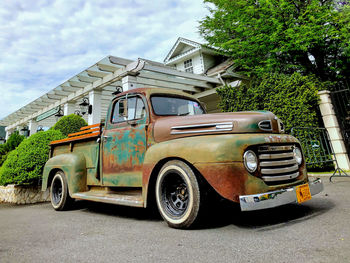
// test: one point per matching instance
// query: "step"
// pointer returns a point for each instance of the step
(126, 198)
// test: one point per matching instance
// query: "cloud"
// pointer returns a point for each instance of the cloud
(43, 43)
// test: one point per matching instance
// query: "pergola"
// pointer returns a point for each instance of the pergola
(98, 82)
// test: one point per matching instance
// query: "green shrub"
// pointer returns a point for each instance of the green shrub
(25, 164)
(69, 124)
(3, 158)
(14, 140)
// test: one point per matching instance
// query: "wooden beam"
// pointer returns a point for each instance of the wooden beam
(168, 78)
(84, 76)
(119, 61)
(62, 93)
(67, 87)
(94, 71)
(75, 82)
(106, 65)
(53, 95)
(205, 93)
(165, 84)
(167, 70)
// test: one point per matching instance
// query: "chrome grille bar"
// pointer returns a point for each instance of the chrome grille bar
(280, 170)
(276, 155)
(269, 148)
(277, 163)
(280, 177)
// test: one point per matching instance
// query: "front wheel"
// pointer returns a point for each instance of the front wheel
(178, 194)
(59, 195)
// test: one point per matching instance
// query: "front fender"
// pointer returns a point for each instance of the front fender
(219, 158)
(74, 167)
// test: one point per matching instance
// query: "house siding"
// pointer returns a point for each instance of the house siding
(197, 64)
(208, 61)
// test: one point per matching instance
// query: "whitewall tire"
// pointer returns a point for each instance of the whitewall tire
(178, 194)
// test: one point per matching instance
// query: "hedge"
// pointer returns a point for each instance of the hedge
(69, 124)
(292, 98)
(25, 164)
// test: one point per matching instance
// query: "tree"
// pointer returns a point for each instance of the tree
(284, 36)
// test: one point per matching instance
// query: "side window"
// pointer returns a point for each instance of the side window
(119, 111)
(140, 109)
(136, 108)
(132, 109)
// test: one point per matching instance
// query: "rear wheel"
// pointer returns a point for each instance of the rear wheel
(59, 195)
(178, 194)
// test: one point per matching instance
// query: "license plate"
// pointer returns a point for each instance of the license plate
(303, 193)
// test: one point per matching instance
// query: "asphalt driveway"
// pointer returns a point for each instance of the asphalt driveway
(317, 231)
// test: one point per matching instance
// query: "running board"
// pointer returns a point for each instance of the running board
(111, 198)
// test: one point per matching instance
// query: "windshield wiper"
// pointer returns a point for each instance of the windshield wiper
(183, 114)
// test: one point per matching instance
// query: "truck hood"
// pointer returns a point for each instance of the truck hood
(169, 128)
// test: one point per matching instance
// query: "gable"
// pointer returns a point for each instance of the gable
(181, 47)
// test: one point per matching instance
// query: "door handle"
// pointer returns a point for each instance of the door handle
(105, 138)
(132, 123)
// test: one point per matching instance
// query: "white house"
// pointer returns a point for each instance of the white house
(189, 56)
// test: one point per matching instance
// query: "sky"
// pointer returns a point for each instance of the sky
(44, 43)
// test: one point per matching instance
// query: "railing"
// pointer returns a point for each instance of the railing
(317, 148)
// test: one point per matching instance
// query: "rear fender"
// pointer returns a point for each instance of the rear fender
(74, 167)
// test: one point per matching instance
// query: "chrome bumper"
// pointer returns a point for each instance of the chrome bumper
(275, 198)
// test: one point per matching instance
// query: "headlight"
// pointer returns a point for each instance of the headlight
(298, 155)
(250, 161)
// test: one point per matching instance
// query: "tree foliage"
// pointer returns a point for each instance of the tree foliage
(292, 98)
(25, 163)
(311, 37)
(69, 124)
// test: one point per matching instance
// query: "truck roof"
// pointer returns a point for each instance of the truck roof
(148, 91)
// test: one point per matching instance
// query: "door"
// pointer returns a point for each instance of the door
(124, 142)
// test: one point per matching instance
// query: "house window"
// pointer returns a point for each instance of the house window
(188, 65)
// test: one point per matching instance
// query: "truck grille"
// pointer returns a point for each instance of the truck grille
(277, 164)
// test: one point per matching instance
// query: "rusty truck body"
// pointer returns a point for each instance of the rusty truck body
(160, 144)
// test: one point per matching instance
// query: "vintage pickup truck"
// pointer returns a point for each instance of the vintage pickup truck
(160, 144)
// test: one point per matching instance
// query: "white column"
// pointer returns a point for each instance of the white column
(32, 126)
(129, 82)
(7, 134)
(331, 124)
(19, 128)
(68, 108)
(95, 102)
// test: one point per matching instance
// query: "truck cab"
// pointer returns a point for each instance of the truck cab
(160, 144)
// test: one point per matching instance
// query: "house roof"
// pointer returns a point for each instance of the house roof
(222, 67)
(184, 47)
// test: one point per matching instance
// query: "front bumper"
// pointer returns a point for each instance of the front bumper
(276, 198)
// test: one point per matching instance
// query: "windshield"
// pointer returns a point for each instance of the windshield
(174, 106)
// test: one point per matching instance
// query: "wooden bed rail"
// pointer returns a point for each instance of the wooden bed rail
(89, 131)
